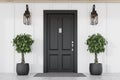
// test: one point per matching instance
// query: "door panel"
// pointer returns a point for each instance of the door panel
(66, 62)
(60, 51)
(53, 32)
(67, 31)
(53, 61)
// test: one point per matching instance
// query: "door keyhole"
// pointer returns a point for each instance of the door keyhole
(60, 30)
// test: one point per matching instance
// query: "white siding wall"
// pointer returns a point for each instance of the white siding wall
(11, 24)
(6, 34)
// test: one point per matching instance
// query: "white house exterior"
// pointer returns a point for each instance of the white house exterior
(11, 24)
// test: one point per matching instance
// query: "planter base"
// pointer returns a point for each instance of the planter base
(22, 69)
(95, 68)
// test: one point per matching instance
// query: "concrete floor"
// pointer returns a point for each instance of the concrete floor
(30, 77)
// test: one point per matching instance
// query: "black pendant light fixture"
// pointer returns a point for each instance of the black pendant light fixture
(94, 16)
(27, 16)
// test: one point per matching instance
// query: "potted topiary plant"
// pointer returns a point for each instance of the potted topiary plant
(22, 43)
(96, 44)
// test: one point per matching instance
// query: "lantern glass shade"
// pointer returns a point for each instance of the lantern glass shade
(27, 16)
(94, 16)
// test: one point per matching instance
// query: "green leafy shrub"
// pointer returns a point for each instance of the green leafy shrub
(96, 44)
(22, 43)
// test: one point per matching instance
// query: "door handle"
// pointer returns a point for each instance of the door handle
(72, 46)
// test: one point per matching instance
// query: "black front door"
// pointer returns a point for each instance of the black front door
(60, 41)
